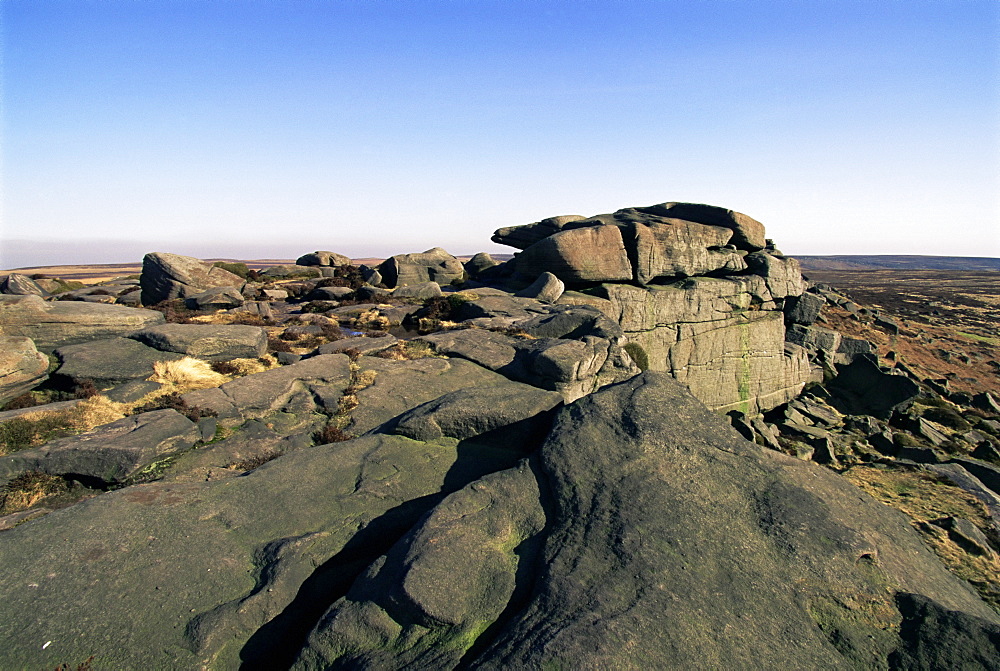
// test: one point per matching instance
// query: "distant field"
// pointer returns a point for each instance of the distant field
(889, 262)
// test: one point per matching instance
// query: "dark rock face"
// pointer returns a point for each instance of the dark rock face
(168, 276)
(54, 324)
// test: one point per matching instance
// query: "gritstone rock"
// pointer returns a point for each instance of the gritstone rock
(22, 367)
(168, 276)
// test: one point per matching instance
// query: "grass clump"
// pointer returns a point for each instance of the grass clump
(36, 428)
(29, 489)
(407, 350)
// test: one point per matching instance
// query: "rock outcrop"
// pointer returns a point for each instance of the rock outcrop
(693, 288)
(597, 455)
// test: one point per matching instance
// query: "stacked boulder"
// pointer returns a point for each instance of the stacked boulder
(697, 290)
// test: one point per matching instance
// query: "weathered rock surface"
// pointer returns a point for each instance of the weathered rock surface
(722, 337)
(109, 361)
(54, 324)
(206, 341)
(16, 284)
(168, 276)
(471, 412)
(215, 573)
(253, 396)
(434, 265)
(748, 233)
(110, 453)
(22, 367)
(624, 555)
(571, 367)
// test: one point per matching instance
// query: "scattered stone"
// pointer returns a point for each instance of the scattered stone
(547, 289)
(479, 263)
(422, 291)
(803, 309)
(16, 284)
(966, 534)
(862, 388)
(218, 298)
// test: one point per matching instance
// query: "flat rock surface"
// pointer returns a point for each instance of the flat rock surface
(206, 341)
(182, 575)
(53, 324)
(109, 361)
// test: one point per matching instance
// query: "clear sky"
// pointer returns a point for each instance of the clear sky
(255, 129)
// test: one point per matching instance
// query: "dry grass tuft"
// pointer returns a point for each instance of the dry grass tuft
(187, 374)
(407, 350)
(28, 490)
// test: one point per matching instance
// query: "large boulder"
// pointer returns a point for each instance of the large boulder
(434, 265)
(22, 367)
(678, 248)
(591, 254)
(323, 259)
(54, 324)
(748, 233)
(206, 341)
(17, 284)
(109, 361)
(649, 534)
(522, 237)
(168, 276)
(110, 453)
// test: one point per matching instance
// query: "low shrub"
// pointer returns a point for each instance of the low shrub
(638, 355)
(85, 389)
(948, 417)
(235, 268)
(28, 400)
(330, 434)
(174, 401)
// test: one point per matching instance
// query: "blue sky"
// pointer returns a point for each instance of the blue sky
(255, 129)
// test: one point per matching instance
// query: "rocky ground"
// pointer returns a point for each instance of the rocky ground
(644, 441)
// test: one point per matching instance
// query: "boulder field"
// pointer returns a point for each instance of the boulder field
(621, 449)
